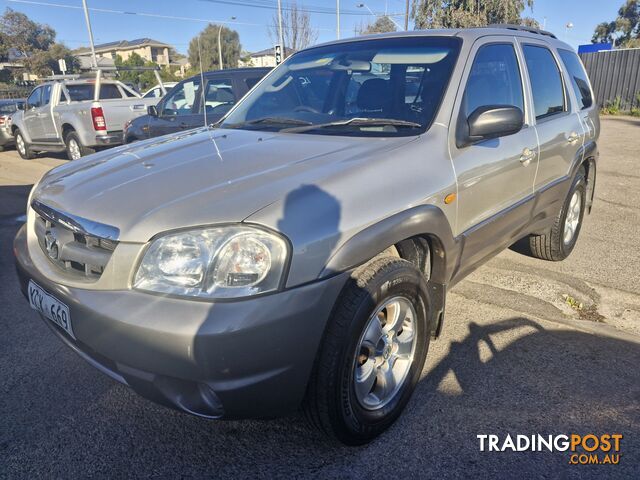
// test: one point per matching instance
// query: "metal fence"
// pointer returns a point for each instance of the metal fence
(615, 74)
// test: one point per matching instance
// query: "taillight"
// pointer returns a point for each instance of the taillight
(2, 121)
(97, 115)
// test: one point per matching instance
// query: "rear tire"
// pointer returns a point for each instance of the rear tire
(359, 386)
(75, 149)
(558, 242)
(22, 146)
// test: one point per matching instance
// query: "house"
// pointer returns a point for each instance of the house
(264, 58)
(149, 49)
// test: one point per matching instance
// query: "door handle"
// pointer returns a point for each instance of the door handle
(183, 125)
(528, 154)
(573, 137)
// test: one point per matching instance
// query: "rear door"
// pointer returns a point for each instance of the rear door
(586, 109)
(178, 109)
(559, 127)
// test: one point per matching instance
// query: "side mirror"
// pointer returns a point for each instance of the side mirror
(490, 121)
(21, 106)
(152, 111)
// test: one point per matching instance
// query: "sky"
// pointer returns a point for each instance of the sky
(128, 19)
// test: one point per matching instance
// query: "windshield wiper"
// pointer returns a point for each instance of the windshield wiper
(355, 122)
(271, 121)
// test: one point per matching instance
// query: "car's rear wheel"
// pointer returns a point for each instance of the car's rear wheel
(23, 147)
(558, 242)
(75, 149)
(372, 353)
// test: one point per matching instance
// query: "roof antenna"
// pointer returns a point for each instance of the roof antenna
(203, 100)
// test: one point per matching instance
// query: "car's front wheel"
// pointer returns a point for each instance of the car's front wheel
(23, 147)
(372, 354)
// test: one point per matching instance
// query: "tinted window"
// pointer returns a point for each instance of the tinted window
(34, 99)
(546, 81)
(181, 100)
(579, 78)
(109, 91)
(382, 87)
(80, 92)
(8, 108)
(494, 79)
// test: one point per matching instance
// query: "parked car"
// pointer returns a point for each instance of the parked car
(7, 109)
(156, 91)
(76, 115)
(301, 252)
(181, 108)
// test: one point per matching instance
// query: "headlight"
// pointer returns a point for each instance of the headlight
(219, 262)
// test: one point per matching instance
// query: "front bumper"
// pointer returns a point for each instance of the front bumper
(113, 138)
(234, 359)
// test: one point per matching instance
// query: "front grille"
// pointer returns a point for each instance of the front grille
(69, 247)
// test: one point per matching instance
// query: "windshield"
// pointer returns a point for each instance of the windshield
(382, 87)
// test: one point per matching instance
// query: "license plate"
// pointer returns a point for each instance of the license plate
(50, 307)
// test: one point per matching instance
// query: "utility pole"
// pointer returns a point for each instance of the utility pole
(93, 48)
(338, 19)
(406, 17)
(280, 33)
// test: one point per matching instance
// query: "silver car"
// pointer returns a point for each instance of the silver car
(300, 252)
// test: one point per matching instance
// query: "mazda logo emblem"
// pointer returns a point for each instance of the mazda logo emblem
(51, 244)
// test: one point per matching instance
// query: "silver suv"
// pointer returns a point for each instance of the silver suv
(299, 252)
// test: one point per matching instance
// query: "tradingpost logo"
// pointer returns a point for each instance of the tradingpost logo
(589, 449)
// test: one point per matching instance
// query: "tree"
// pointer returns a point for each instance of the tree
(23, 34)
(141, 79)
(381, 25)
(624, 31)
(296, 28)
(231, 48)
(468, 13)
(45, 62)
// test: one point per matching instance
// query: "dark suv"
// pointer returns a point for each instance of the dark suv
(181, 108)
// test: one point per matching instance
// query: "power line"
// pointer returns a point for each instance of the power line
(145, 14)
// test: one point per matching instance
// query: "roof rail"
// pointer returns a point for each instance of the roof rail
(521, 28)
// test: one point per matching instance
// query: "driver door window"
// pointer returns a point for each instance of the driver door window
(34, 100)
(182, 100)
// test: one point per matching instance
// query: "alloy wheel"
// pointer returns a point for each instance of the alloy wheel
(385, 353)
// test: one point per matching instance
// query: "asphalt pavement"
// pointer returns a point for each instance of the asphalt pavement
(515, 358)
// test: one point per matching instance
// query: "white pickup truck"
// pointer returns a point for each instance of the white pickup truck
(76, 115)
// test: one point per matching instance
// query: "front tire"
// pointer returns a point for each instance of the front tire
(558, 242)
(75, 149)
(372, 354)
(23, 147)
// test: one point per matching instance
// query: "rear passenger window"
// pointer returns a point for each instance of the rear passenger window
(109, 91)
(494, 79)
(579, 79)
(546, 81)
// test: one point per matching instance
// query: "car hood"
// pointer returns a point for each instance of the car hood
(199, 177)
